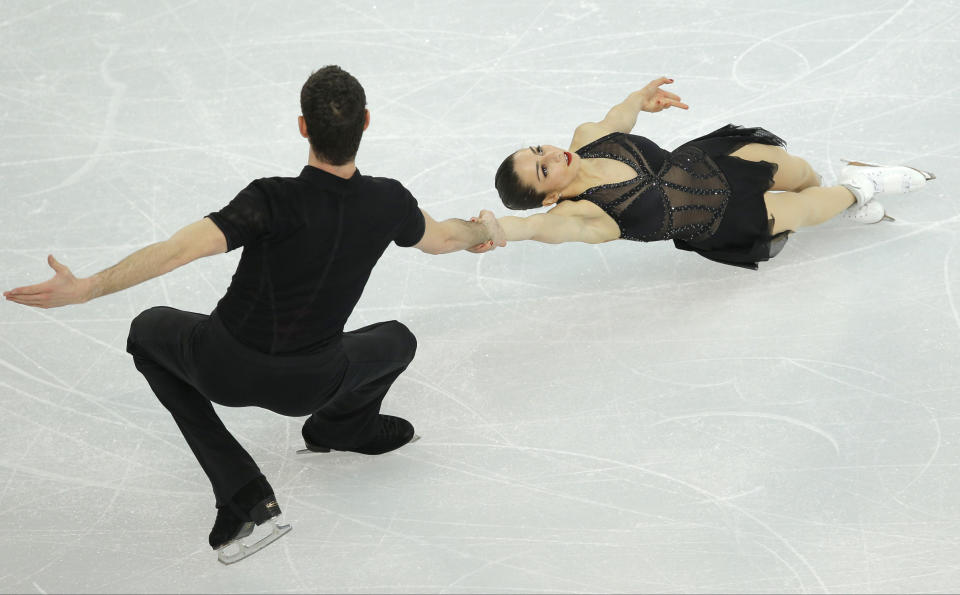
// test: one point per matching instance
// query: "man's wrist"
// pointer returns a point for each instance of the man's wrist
(87, 289)
(486, 233)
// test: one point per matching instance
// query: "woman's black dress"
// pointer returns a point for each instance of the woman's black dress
(697, 195)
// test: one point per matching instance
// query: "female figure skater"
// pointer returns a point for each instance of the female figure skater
(732, 196)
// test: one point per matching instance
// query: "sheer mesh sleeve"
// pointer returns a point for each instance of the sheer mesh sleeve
(246, 219)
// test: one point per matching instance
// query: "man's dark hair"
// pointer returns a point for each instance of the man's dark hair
(333, 104)
(515, 194)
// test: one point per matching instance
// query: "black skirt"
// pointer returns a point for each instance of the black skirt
(744, 236)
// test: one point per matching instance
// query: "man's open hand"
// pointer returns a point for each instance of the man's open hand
(63, 289)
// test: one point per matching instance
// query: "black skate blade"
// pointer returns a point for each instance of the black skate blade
(312, 449)
(323, 449)
(237, 550)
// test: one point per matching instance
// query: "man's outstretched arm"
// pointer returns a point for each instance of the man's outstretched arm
(442, 237)
(199, 239)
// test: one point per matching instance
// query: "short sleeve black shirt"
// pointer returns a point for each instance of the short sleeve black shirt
(309, 244)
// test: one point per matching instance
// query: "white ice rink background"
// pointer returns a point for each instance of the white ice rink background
(622, 417)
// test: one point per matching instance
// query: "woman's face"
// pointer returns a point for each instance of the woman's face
(546, 168)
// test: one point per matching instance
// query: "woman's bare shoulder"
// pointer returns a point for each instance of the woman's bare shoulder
(586, 133)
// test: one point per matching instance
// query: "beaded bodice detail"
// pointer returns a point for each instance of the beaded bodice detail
(675, 195)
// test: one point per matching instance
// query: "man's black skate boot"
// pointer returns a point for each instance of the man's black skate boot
(228, 527)
(252, 505)
(392, 433)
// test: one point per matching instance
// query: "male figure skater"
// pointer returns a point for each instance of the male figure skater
(275, 339)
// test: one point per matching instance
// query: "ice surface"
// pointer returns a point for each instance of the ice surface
(609, 418)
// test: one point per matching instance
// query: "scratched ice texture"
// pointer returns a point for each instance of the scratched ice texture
(613, 418)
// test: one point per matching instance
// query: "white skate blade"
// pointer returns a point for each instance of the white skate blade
(926, 174)
(236, 550)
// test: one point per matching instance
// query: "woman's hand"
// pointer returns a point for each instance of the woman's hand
(654, 99)
(498, 238)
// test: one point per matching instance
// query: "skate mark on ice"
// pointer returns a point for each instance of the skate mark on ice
(931, 458)
(34, 362)
(764, 95)
(107, 132)
(112, 416)
(424, 542)
(732, 496)
(450, 396)
(946, 286)
(92, 446)
(489, 563)
(713, 498)
(919, 230)
(757, 415)
(786, 564)
(41, 313)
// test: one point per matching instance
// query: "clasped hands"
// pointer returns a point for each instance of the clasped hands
(498, 238)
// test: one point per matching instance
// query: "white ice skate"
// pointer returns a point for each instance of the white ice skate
(884, 179)
(238, 549)
(872, 212)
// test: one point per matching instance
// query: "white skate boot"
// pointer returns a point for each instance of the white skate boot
(885, 179)
(860, 187)
(872, 212)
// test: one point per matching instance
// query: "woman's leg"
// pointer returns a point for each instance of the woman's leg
(793, 173)
(802, 202)
(811, 206)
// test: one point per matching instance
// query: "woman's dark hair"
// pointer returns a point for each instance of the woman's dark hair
(515, 194)
(333, 104)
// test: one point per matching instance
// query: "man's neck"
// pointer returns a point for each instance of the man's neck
(344, 171)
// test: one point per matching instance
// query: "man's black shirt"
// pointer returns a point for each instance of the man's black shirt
(309, 243)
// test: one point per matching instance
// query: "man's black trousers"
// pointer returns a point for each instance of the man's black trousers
(190, 360)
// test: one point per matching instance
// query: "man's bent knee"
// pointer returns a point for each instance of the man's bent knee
(141, 326)
(406, 341)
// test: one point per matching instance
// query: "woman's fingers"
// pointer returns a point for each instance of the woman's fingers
(481, 248)
(665, 103)
(661, 81)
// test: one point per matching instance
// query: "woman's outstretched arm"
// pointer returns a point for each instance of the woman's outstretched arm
(623, 116)
(566, 222)
(554, 228)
